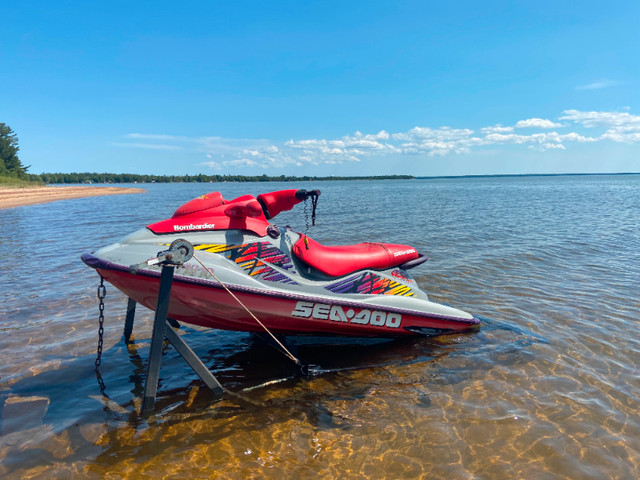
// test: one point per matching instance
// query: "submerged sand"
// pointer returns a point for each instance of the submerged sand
(17, 197)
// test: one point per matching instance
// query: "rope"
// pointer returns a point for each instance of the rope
(284, 349)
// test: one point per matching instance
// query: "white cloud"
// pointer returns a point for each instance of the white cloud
(381, 135)
(537, 123)
(212, 165)
(597, 119)
(426, 133)
(553, 146)
(617, 136)
(544, 141)
(579, 127)
(251, 153)
(622, 127)
(241, 162)
(496, 129)
(604, 83)
(146, 136)
(148, 146)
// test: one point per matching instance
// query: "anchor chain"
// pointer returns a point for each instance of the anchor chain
(102, 292)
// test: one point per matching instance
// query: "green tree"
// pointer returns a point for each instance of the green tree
(10, 164)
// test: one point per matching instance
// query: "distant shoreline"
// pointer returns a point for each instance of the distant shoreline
(125, 178)
(102, 178)
(511, 175)
(20, 197)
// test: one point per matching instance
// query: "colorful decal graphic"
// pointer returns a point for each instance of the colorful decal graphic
(371, 284)
(402, 275)
(256, 259)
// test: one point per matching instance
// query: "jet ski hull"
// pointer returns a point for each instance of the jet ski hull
(291, 283)
(206, 303)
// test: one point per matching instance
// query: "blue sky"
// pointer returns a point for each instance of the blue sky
(323, 88)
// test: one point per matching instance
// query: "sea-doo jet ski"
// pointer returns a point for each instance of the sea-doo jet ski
(291, 283)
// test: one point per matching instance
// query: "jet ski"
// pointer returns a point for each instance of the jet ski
(293, 284)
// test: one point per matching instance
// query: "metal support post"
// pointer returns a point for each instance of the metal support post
(179, 252)
(194, 361)
(157, 338)
(128, 322)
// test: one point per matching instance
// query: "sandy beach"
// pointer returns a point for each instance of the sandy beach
(18, 197)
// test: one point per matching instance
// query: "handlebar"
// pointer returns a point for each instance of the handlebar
(275, 202)
(304, 194)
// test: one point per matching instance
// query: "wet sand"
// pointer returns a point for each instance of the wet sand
(18, 197)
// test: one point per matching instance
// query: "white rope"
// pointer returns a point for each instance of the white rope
(284, 349)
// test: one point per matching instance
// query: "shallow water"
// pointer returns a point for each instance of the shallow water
(548, 388)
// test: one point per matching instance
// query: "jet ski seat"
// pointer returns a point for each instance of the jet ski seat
(345, 259)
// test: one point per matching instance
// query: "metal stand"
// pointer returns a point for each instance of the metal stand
(128, 322)
(162, 328)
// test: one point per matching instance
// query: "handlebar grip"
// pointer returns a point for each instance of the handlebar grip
(304, 194)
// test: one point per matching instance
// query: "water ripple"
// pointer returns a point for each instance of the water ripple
(548, 387)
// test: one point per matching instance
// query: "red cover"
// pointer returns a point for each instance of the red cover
(211, 212)
(204, 202)
(342, 260)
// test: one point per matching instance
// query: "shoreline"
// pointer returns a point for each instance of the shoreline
(20, 197)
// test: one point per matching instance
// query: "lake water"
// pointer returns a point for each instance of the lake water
(548, 388)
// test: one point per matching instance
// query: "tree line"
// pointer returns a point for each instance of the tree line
(87, 177)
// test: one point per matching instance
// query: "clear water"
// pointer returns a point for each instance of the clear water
(548, 388)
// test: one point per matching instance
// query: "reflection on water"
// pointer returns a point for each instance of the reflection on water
(548, 388)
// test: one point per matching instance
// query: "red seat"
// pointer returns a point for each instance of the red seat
(342, 260)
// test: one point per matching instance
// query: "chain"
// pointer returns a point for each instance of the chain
(102, 292)
(314, 205)
(306, 216)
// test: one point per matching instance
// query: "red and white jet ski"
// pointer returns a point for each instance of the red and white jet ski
(291, 283)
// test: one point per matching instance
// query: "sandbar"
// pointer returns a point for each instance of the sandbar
(18, 197)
